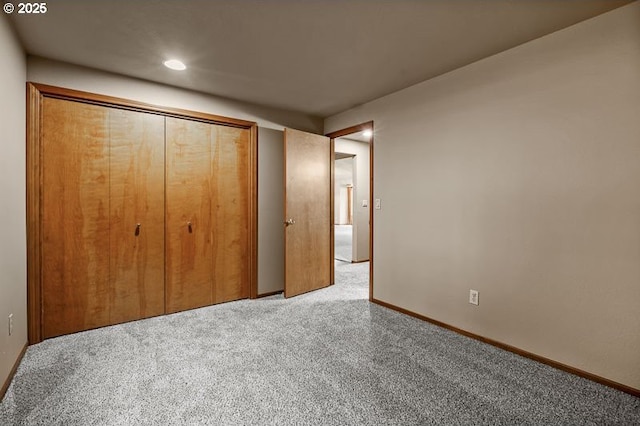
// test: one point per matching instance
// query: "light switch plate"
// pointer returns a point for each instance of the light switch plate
(378, 204)
(365, 203)
(474, 296)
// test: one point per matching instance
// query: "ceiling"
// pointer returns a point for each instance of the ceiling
(320, 57)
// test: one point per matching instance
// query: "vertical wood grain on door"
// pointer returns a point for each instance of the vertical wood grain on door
(75, 217)
(230, 213)
(308, 203)
(137, 197)
(188, 263)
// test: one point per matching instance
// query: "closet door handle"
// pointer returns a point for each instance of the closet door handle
(137, 229)
(190, 227)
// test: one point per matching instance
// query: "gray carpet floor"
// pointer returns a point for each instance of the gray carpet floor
(323, 358)
(343, 236)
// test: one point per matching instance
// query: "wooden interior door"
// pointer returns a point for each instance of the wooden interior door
(307, 211)
(188, 265)
(136, 239)
(230, 194)
(75, 216)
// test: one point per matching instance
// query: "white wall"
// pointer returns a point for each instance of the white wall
(270, 141)
(360, 193)
(13, 262)
(40, 70)
(270, 210)
(518, 176)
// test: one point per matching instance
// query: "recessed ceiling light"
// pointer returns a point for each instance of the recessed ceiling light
(175, 64)
(367, 133)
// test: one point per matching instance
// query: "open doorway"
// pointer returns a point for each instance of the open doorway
(352, 154)
(351, 197)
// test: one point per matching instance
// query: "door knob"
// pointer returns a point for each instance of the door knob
(137, 229)
(190, 227)
(289, 222)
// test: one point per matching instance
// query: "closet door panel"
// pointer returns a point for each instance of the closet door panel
(230, 213)
(188, 215)
(137, 215)
(75, 217)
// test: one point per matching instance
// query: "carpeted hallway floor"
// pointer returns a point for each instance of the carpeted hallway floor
(324, 358)
(343, 245)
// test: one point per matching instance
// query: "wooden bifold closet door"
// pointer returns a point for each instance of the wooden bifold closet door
(136, 212)
(207, 228)
(136, 238)
(102, 175)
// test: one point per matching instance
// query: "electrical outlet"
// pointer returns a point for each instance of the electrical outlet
(474, 296)
(10, 324)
